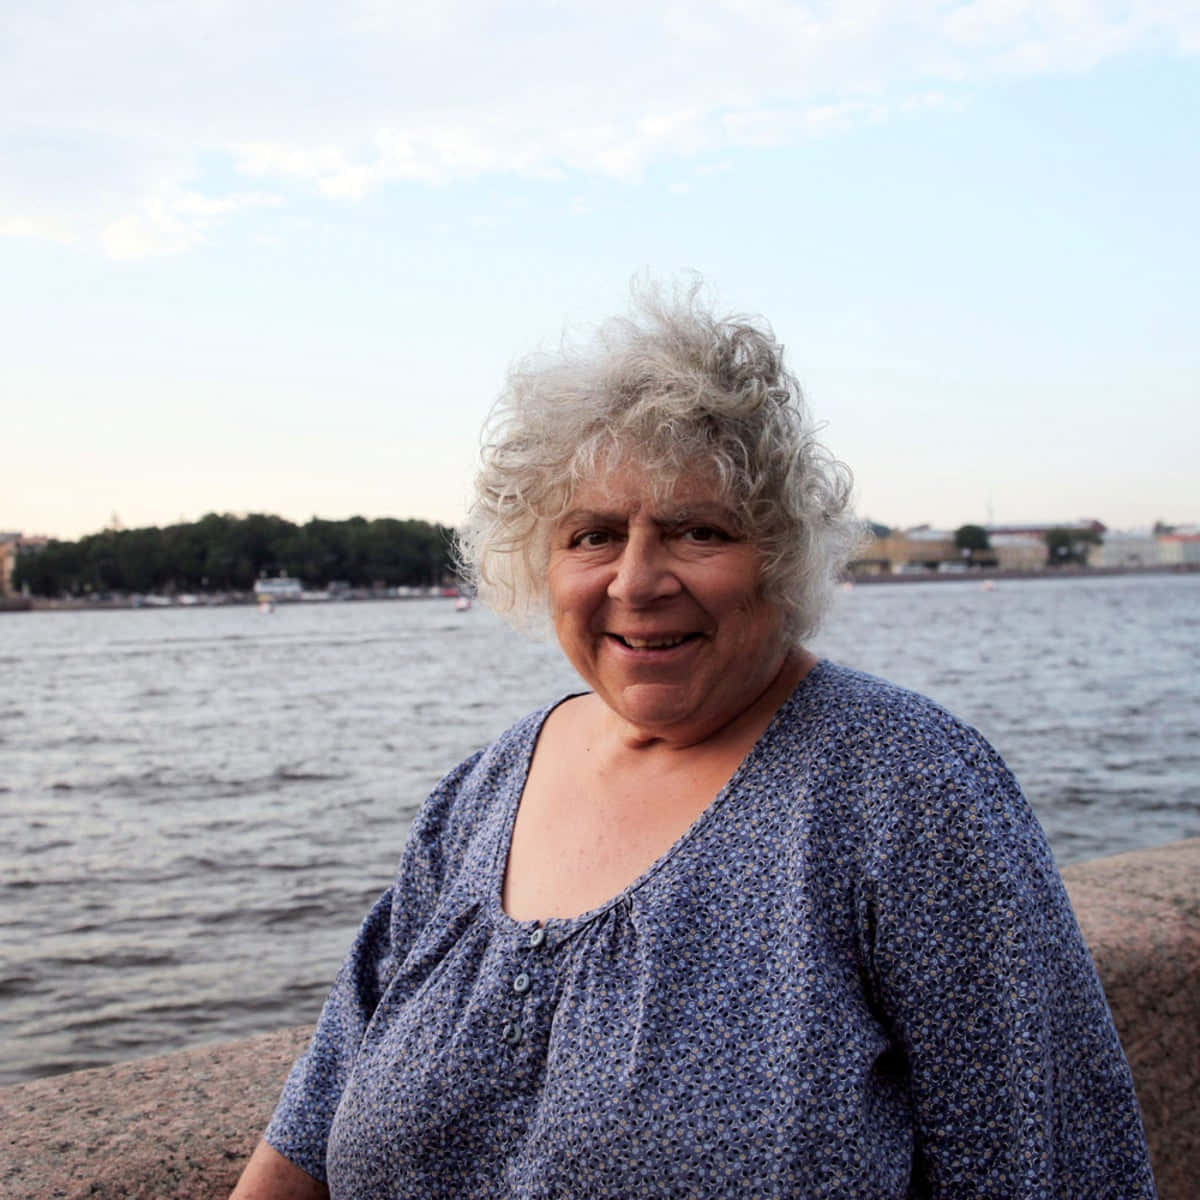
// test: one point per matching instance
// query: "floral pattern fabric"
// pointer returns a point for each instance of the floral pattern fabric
(856, 975)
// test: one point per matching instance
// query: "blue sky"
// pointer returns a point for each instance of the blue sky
(278, 258)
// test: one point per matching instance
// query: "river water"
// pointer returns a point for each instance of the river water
(198, 805)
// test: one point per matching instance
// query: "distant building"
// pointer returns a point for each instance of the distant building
(281, 587)
(1176, 549)
(908, 552)
(12, 546)
(9, 548)
(1126, 549)
(1018, 551)
(1081, 548)
(868, 557)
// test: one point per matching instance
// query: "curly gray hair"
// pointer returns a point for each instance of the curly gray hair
(673, 389)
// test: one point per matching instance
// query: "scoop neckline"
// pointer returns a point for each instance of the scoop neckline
(563, 927)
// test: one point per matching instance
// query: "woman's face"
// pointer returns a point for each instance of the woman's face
(660, 607)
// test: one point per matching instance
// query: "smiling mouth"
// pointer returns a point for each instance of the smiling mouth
(654, 643)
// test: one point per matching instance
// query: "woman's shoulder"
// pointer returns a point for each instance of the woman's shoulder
(875, 717)
(893, 755)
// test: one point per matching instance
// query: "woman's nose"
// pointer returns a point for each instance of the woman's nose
(644, 572)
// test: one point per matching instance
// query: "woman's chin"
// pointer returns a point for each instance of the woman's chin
(663, 710)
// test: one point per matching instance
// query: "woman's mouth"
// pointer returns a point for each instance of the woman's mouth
(664, 642)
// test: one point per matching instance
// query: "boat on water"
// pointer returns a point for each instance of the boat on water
(279, 588)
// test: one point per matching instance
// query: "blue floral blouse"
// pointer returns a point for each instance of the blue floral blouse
(856, 975)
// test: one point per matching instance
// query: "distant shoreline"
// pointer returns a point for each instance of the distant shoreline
(229, 599)
(199, 600)
(984, 574)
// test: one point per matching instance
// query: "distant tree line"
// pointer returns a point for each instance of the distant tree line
(972, 538)
(1070, 546)
(221, 552)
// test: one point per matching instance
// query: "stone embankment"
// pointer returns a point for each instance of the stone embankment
(179, 1126)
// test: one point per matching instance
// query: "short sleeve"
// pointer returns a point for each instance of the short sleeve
(1018, 1081)
(299, 1128)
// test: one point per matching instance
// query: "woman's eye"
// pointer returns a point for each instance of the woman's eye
(591, 538)
(702, 533)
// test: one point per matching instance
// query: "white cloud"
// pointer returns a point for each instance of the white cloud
(173, 220)
(338, 102)
(32, 227)
(193, 204)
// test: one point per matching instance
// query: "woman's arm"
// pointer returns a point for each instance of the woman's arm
(288, 1162)
(1018, 1083)
(270, 1176)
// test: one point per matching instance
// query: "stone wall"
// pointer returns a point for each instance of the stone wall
(175, 1127)
(179, 1126)
(1140, 913)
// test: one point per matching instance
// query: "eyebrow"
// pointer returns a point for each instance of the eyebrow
(704, 511)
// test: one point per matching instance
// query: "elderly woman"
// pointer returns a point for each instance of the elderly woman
(736, 921)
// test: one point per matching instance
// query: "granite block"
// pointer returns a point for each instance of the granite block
(174, 1127)
(1140, 915)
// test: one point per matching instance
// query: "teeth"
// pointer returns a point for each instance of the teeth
(662, 643)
